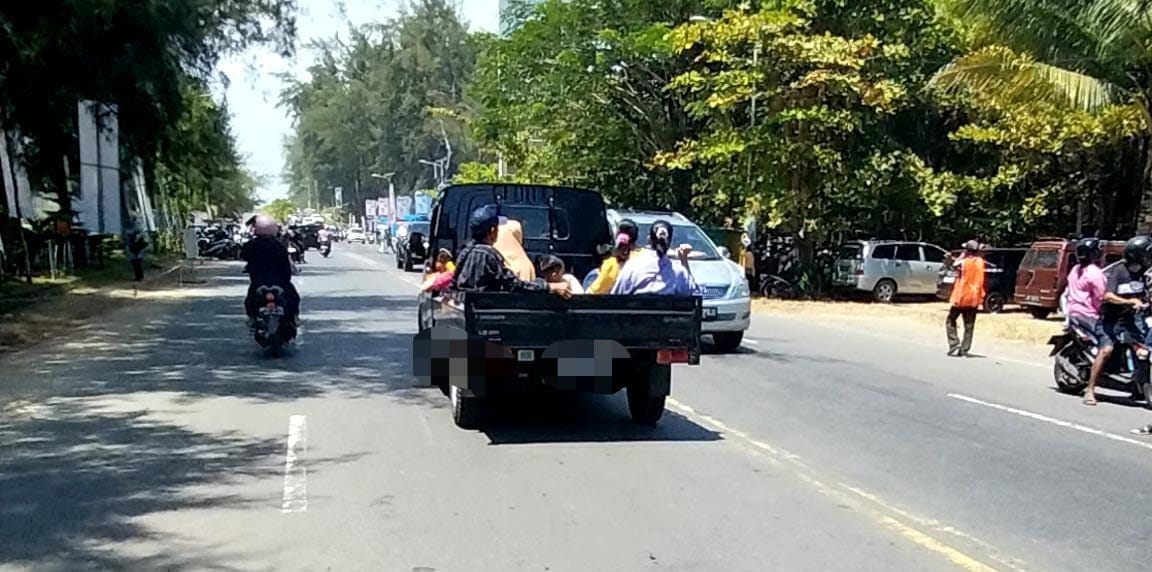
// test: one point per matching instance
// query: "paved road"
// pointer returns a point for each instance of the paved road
(162, 440)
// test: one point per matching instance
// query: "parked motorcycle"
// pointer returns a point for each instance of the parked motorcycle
(1074, 351)
(274, 329)
(222, 248)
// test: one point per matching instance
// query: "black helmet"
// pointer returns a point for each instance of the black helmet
(1088, 249)
(1138, 250)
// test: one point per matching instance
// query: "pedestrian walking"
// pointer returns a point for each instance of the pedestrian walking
(137, 245)
(967, 295)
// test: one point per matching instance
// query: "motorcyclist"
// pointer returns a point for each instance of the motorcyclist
(268, 265)
(1124, 297)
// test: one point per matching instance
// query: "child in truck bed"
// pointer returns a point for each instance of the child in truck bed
(553, 271)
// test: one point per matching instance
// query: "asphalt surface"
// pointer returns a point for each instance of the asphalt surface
(161, 439)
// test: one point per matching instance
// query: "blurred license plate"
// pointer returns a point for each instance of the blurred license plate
(709, 313)
(525, 355)
(949, 279)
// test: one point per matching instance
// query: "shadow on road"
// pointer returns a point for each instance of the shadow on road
(86, 461)
(559, 417)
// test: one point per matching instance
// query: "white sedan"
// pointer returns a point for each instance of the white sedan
(357, 234)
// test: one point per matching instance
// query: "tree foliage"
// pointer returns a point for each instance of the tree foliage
(381, 102)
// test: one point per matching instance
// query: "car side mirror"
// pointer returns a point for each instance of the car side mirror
(724, 252)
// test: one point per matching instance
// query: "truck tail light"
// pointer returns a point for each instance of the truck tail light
(672, 355)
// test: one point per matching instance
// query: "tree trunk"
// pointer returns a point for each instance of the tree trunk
(1144, 213)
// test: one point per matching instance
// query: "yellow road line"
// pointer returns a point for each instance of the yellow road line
(872, 505)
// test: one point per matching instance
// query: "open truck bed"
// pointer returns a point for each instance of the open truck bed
(472, 344)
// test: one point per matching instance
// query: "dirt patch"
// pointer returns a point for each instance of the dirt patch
(59, 309)
(925, 318)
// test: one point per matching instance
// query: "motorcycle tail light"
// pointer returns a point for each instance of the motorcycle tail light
(672, 355)
(270, 297)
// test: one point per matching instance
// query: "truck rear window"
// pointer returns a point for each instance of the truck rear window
(1041, 259)
(534, 221)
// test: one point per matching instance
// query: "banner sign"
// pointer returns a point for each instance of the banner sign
(423, 204)
(98, 206)
(17, 191)
(370, 208)
(403, 206)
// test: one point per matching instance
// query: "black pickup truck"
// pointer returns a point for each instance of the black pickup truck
(474, 345)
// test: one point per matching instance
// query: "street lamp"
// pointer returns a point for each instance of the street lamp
(391, 189)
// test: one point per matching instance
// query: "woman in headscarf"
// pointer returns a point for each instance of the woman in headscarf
(626, 236)
(510, 244)
(653, 273)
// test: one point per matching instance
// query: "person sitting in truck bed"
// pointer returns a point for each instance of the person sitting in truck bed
(652, 273)
(481, 268)
(553, 270)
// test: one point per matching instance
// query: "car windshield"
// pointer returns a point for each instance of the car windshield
(702, 247)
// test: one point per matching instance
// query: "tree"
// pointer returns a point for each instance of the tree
(279, 209)
(1069, 55)
(577, 95)
(799, 123)
(390, 97)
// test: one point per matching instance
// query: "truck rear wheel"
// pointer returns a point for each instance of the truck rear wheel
(646, 407)
(727, 342)
(467, 410)
(1040, 313)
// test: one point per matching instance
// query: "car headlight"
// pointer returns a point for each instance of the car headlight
(742, 290)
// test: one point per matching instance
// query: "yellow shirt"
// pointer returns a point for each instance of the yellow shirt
(609, 271)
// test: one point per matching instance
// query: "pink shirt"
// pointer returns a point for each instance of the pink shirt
(1086, 292)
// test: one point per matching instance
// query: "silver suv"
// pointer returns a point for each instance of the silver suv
(887, 268)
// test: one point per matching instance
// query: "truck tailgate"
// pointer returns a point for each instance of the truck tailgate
(538, 320)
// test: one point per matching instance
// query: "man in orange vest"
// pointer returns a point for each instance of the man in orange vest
(967, 295)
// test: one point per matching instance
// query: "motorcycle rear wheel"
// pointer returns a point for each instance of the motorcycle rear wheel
(1065, 381)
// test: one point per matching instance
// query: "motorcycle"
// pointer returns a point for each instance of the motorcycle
(221, 248)
(326, 248)
(1074, 351)
(295, 253)
(274, 329)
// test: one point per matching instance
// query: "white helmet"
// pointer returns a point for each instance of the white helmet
(266, 226)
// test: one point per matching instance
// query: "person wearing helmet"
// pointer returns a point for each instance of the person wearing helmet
(481, 267)
(268, 265)
(1124, 297)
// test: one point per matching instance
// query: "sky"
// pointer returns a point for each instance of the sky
(253, 89)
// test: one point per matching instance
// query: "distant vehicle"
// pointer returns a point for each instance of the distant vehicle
(357, 235)
(412, 249)
(888, 268)
(1043, 273)
(727, 299)
(1000, 268)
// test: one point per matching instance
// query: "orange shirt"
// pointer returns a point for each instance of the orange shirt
(968, 292)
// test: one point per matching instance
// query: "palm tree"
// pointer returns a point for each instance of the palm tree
(1082, 54)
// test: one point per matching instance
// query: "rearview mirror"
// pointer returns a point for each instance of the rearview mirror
(724, 252)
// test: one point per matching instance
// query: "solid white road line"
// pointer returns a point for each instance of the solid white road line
(1053, 421)
(295, 473)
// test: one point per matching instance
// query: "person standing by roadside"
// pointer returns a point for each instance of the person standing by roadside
(967, 295)
(137, 245)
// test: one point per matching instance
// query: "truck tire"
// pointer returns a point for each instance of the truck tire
(467, 410)
(727, 342)
(646, 408)
(994, 302)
